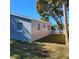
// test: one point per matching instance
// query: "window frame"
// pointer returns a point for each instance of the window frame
(19, 27)
(39, 26)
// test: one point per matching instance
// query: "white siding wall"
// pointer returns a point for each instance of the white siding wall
(37, 34)
(27, 25)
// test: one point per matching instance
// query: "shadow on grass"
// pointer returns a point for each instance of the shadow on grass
(24, 50)
(53, 38)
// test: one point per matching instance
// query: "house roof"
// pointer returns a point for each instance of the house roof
(26, 18)
(20, 17)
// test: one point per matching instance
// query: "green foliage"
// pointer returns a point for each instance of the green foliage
(51, 8)
(53, 27)
(62, 26)
(44, 19)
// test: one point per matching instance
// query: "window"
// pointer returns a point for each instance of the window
(19, 26)
(44, 25)
(38, 26)
(48, 27)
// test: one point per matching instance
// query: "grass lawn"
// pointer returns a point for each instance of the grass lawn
(37, 50)
(53, 38)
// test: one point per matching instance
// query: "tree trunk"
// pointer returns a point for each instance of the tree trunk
(65, 21)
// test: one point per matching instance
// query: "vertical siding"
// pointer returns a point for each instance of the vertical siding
(14, 34)
(13, 29)
(27, 25)
(36, 34)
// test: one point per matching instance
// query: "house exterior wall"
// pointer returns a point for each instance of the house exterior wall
(27, 25)
(23, 34)
(26, 29)
(43, 31)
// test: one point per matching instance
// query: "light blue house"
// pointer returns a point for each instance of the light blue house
(27, 29)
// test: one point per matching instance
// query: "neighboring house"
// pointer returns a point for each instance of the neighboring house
(27, 29)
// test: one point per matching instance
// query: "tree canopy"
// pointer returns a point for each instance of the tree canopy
(51, 8)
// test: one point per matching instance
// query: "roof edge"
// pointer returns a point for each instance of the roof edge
(28, 18)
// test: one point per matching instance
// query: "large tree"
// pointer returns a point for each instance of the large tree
(54, 9)
(50, 8)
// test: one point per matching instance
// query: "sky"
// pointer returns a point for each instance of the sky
(27, 8)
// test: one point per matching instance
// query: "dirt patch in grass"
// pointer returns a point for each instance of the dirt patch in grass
(37, 50)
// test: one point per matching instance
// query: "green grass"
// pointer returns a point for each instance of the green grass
(37, 50)
(54, 38)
